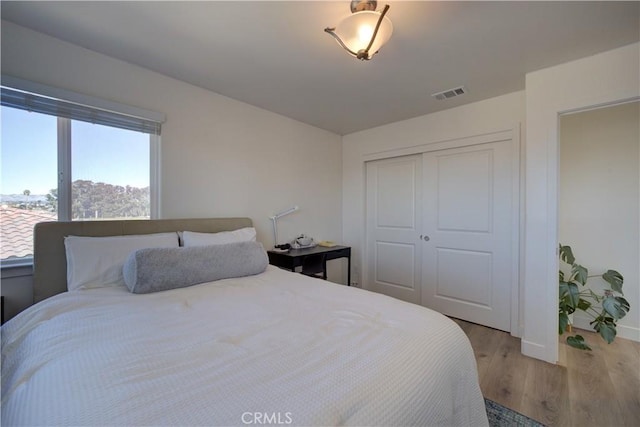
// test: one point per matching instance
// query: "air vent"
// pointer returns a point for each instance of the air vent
(450, 93)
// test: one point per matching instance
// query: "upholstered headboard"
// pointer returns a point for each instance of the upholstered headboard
(49, 259)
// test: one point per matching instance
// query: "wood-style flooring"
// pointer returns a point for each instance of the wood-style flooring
(586, 388)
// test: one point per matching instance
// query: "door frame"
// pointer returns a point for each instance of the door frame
(518, 224)
(601, 79)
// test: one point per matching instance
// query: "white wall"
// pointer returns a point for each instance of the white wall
(604, 78)
(488, 116)
(599, 200)
(220, 157)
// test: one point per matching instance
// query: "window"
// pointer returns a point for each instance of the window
(63, 160)
(29, 172)
(110, 172)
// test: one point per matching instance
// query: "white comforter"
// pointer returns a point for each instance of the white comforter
(276, 348)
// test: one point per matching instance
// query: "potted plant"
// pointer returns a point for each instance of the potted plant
(605, 309)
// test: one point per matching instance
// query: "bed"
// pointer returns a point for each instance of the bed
(275, 348)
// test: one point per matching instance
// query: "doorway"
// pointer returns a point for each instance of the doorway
(599, 200)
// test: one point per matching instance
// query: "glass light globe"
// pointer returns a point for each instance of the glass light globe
(356, 31)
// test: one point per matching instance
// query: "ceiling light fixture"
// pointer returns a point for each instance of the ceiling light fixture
(363, 33)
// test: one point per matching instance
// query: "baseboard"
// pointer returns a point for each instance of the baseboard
(629, 332)
(624, 331)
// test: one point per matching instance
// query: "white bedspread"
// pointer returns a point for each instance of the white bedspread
(276, 348)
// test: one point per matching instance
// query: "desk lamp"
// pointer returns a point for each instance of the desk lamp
(274, 219)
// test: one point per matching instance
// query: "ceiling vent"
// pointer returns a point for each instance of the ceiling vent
(450, 93)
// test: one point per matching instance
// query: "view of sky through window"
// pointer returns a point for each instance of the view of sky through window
(99, 153)
(110, 174)
(29, 152)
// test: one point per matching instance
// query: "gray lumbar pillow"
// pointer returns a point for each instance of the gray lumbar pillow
(160, 269)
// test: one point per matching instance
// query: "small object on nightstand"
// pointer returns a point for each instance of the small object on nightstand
(303, 242)
(282, 248)
(327, 243)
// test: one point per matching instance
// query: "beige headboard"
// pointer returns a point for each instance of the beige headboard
(49, 260)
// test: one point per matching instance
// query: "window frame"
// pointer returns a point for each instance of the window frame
(64, 141)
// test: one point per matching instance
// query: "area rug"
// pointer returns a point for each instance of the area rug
(501, 416)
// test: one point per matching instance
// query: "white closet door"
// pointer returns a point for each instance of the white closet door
(467, 216)
(393, 247)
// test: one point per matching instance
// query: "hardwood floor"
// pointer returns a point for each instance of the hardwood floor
(586, 388)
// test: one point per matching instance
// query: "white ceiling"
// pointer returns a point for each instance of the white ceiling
(275, 55)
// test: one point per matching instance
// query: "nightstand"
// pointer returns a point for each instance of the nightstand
(292, 259)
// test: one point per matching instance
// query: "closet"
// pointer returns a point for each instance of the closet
(442, 228)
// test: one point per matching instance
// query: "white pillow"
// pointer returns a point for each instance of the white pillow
(191, 238)
(95, 262)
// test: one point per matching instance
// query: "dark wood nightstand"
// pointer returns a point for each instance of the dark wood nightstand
(292, 259)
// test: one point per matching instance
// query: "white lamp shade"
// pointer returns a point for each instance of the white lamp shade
(356, 30)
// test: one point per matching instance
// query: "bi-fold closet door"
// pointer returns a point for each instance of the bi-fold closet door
(439, 230)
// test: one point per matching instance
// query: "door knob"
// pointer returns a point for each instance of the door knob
(426, 238)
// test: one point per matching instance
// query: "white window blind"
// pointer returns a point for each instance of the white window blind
(25, 100)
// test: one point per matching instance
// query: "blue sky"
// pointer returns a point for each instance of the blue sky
(99, 153)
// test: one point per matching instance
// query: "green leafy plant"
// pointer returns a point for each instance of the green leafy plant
(605, 309)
